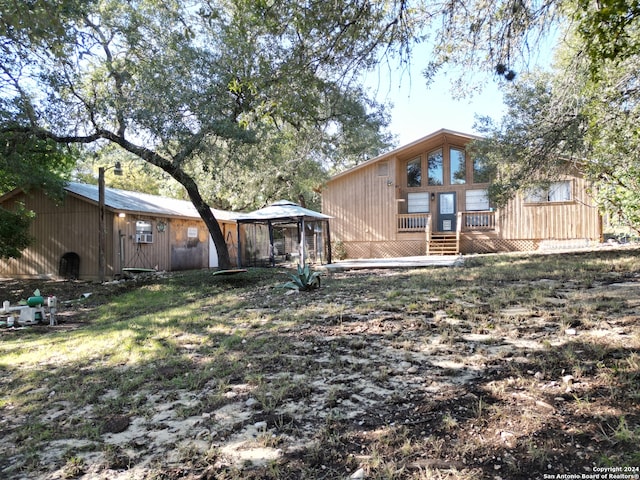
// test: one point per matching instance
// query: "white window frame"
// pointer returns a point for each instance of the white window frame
(557, 192)
(418, 202)
(477, 200)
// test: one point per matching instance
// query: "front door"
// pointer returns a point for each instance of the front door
(446, 212)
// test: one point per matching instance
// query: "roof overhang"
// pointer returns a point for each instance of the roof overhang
(405, 148)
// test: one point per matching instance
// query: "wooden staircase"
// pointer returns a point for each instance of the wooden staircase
(443, 244)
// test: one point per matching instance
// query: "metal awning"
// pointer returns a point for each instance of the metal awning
(280, 213)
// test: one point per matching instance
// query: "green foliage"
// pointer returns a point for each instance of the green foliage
(570, 118)
(304, 279)
(609, 29)
(167, 81)
(14, 231)
(613, 111)
(28, 162)
(541, 131)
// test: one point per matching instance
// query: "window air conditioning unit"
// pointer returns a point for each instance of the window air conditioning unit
(144, 238)
(144, 232)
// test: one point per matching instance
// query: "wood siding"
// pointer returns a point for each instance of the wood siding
(575, 219)
(367, 200)
(57, 230)
(74, 225)
(363, 206)
(131, 254)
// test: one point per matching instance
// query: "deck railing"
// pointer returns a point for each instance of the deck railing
(467, 221)
(413, 222)
(478, 221)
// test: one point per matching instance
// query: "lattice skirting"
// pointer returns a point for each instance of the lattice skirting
(407, 248)
(411, 248)
(492, 245)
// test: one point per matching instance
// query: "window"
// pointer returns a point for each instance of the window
(477, 200)
(144, 232)
(418, 202)
(458, 166)
(436, 171)
(414, 172)
(560, 192)
(555, 192)
(481, 170)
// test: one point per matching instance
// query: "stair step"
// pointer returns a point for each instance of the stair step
(443, 244)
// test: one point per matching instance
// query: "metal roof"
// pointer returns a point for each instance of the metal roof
(282, 210)
(128, 201)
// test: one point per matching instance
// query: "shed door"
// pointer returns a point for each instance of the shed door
(446, 212)
(213, 254)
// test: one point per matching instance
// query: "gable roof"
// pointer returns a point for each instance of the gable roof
(144, 203)
(403, 148)
(282, 211)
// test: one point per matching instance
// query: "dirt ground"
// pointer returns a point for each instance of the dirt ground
(446, 388)
(74, 297)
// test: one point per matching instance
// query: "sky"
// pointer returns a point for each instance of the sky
(418, 111)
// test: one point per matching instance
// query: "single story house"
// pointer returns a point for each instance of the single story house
(430, 197)
(142, 232)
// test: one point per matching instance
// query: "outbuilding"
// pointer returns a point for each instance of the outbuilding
(142, 231)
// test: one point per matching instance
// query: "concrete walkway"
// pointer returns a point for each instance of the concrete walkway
(400, 262)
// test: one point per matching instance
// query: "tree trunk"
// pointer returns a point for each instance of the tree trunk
(172, 168)
(224, 262)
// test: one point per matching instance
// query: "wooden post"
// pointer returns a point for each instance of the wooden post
(328, 241)
(302, 242)
(102, 234)
(238, 252)
(458, 232)
(427, 229)
(102, 231)
(272, 253)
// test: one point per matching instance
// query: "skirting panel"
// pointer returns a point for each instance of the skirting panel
(493, 245)
(412, 248)
(385, 249)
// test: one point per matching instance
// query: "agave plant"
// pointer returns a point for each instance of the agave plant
(304, 279)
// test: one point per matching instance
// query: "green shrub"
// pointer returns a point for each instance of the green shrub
(304, 279)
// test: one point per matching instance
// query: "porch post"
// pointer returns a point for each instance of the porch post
(328, 242)
(238, 254)
(272, 257)
(302, 242)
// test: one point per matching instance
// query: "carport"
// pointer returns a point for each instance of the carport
(283, 232)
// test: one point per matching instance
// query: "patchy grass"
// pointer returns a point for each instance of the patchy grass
(512, 366)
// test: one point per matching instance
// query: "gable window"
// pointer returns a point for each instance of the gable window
(435, 166)
(414, 172)
(481, 170)
(555, 192)
(458, 166)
